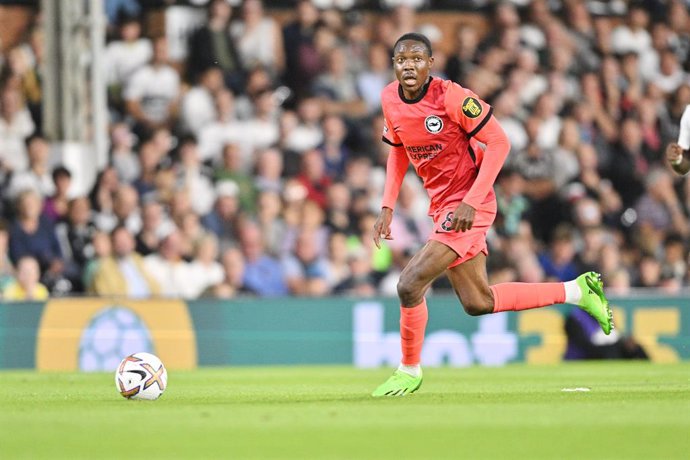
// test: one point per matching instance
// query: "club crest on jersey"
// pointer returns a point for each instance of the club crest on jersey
(471, 107)
(433, 124)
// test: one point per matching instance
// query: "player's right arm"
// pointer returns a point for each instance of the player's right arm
(678, 155)
(396, 167)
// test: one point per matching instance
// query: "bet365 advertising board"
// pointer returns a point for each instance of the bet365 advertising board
(93, 334)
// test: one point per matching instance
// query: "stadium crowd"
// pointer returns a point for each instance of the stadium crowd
(255, 166)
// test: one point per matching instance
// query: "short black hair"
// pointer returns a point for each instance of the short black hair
(416, 37)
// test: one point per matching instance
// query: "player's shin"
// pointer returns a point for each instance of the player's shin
(412, 326)
(524, 296)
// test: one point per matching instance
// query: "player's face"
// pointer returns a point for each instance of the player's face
(412, 64)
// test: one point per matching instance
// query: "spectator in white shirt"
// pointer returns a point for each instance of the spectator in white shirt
(194, 177)
(205, 269)
(169, 268)
(125, 56)
(198, 106)
(152, 93)
(15, 126)
(38, 176)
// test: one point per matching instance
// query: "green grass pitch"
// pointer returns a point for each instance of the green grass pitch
(634, 410)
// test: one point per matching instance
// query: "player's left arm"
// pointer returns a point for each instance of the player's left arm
(476, 118)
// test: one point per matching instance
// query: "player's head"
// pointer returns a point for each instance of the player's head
(412, 62)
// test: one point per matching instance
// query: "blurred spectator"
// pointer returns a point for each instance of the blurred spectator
(195, 177)
(154, 226)
(232, 169)
(659, 206)
(559, 261)
(205, 270)
(313, 177)
(6, 268)
(152, 93)
(102, 249)
(170, 270)
(339, 87)
(269, 170)
(213, 45)
(122, 155)
(55, 206)
(259, 38)
(233, 272)
(198, 105)
(270, 220)
(27, 285)
(263, 275)
(306, 272)
(75, 236)
(124, 211)
(123, 273)
(34, 235)
(335, 153)
(361, 282)
(511, 202)
(123, 57)
(302, 61)
(375, 77)
(223, 218)
(15, 126)
(38, 175)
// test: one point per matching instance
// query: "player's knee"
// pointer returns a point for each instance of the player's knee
(408, 290)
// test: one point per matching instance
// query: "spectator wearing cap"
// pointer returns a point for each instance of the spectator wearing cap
(222, 220)
(123, 273)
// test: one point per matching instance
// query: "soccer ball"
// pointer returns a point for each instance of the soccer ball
(141, 376)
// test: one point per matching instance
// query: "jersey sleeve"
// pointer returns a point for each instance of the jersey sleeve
(466, 108)
(389, 136)
(684, 134)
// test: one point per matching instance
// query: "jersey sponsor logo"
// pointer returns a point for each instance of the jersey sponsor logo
(471, 107)
(424, 152)
(433, 124)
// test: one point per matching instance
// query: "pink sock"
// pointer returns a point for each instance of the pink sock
(412, 325)
(523, 296)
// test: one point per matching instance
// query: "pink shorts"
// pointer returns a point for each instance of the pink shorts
(465, 244)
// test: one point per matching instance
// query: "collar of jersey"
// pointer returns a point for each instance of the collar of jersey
(421, 95)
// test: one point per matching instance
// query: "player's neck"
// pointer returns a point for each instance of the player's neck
(411, 98)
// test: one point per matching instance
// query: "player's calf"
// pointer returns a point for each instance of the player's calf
(478, 305)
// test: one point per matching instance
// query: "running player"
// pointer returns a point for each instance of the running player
(678, 155)
(437, 125)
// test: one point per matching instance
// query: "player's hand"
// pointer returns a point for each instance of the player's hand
(463, 218)
(674, 153)
(382, 227)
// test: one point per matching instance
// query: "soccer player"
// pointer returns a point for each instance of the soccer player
(678, 155)
(438, 125)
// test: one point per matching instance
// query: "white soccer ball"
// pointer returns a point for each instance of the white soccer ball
(141, 376)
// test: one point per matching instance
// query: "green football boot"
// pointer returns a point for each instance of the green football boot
(399, 384)
(594, 301)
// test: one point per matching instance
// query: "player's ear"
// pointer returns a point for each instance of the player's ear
(431, 61)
